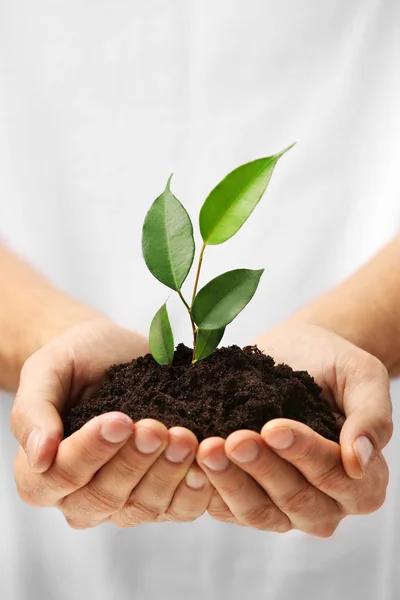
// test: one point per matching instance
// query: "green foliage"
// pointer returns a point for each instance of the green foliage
(233, 200)
(167, 240)
(161, 338)
(224, 297)
(168, 250)
(206, 342)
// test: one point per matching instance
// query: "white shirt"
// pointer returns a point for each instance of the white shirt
(99, 103)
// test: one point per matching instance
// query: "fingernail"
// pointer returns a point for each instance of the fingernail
(32, 445)
(364, 449)
(177, 451)
(146, 440)
(116, 431)
(195, 479)
(246, 452)
(279, 438)
(216, 461)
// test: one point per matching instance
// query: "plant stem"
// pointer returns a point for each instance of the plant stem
(196, 283)
(194, 328)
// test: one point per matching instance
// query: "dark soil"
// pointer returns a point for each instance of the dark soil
(232, 389)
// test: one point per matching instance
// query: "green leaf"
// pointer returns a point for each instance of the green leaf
(206, 342)
(222, 299)
(161, 337)
(233, 200)
(167, 240)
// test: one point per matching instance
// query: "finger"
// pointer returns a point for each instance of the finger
(151, 498)
(79, 525)
(368, 427)
(35, 417)
(78, 458)
(307, 508)
(244, 497)
(219, 510)
(317, 458)
(111, 486)
(191, 498)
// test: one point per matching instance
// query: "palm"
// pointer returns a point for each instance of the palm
(79, 358)
(334, 363)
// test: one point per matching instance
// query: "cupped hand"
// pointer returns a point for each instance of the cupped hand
(111, 469)
(289, 477)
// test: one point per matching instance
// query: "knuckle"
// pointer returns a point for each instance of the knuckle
(123, 520)
(330, 480)
(32, 491)
(370, 504)
(20, 429)
(160, 481)
(325, 529)
(125, 469)
(182, 516)
(93, 454)
(78, 525)
(224, 516)
(100, 500)
(384, 427)
(29, 496)
(121, 524)
(15, 419)
(370, 367)
(263, 516)
(60, 480)
(27, 367)
(220, 512)
(377, 368)
(296, 502)
(304, 452)
(268, 469)
(232, 485)
(138, 511)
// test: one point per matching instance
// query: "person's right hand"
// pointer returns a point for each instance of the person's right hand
(111, 469)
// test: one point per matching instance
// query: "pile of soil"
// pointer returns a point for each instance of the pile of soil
(232, 389)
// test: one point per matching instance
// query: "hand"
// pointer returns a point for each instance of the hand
(111, 469)
(289, 477)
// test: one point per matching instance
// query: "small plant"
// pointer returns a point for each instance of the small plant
(169, 248)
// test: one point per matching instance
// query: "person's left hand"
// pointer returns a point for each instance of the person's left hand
(289, 477)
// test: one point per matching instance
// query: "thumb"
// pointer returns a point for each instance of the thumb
(35, 417)
(368, 426)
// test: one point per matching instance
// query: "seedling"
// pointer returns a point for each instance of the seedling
(169, 248)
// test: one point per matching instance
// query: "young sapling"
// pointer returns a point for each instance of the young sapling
(236, 388)
(168, 249)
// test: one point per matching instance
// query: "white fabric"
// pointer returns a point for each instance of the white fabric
(99, 102)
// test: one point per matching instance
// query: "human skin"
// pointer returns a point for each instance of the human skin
(310, 484)
(54, 350)
(349, 340)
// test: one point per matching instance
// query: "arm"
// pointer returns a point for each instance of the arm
(365, 309)
(32, 312)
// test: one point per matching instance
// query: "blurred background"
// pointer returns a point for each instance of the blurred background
(99, 102)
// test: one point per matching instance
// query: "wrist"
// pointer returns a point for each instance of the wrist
(328, 313)
(32, 313)
(53, 318)
(57, 319)
(365, 326)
